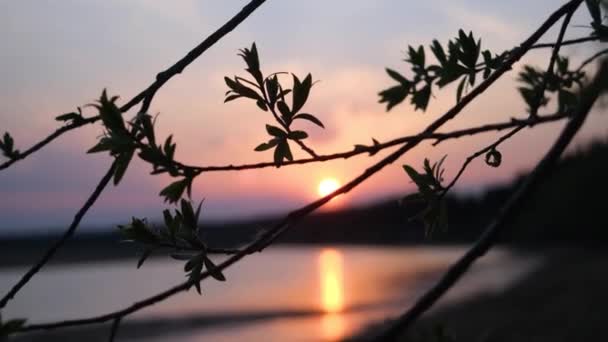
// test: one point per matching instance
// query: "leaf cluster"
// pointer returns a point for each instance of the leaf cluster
(182, 234)
(562, 81)
(460, 59)
(122, 139)
(9, 327)
(431, 193)
(7, 146)
(597, 24)
(116, 140)
(270, 95)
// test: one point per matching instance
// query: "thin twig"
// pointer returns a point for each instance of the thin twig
(372, 149)
(591, 59)
(45, 141)
(147, 95)
(550, 68)
(271, 234)
(566, 42)
(476, 155)
(504, 218)
(114, 329)
(68, 233)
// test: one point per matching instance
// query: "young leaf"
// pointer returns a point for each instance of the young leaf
(285, 112)
(398, 77)
(309, 117)
(420, 99)
(122, 162)
(275, 131)
(300, 92)
(213, 270)
(174, 191)
(393, 96)
(298, 135)
(144, 256)
(266, 146)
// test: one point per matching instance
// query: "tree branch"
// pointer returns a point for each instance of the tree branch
(439, 137)
(114, 329)
(502, 221)
(566, 42)
(270, 235)
(147, 95)
(477, 155)
(591, 59)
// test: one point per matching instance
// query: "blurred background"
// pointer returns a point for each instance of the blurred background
(360, 259)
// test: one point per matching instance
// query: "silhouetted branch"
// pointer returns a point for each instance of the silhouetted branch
(372, 149)
(68, 233)
(567, 42)
(591, 59)
(273, 233)
(46, 141)
(114, 329)
(554, 56)
(477, 155)
(147, 95)
(508, 212)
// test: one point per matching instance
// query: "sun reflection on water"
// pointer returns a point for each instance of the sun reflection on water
(332, 280)
(332, 293)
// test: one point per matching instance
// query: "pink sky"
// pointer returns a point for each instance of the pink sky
(59, 56)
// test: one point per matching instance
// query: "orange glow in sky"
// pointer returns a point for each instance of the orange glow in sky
(332, 281)
(327, 186)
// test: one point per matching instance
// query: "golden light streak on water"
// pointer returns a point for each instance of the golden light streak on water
(332, 280)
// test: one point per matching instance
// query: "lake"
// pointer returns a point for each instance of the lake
(281, 294)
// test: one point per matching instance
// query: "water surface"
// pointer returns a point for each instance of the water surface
(282, 294)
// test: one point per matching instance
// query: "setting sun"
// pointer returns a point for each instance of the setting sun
(327, 186)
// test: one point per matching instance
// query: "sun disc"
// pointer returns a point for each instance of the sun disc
(327, 186)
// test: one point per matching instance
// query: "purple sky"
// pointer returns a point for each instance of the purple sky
(59, 55)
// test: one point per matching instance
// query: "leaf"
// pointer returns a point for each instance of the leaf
(68, 117)
(393, 96)
(242, 90)
(174, 191)
(594, 10)
(10, 327)
(275, 131)
(122, 162)
(266, 146)
(416, 177)
(232, 97)
(439, 52)
(420, 99)
(110, 113)
(213, 269)
(297, 135)
(300, 92)
(262, 105)
(144, 256)
(188, 213)
(285, 112)
(398, 77)
(8, 143)
(104, 144)
(272, 88)
(460, 89)
(309, 117)
(282, 152)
